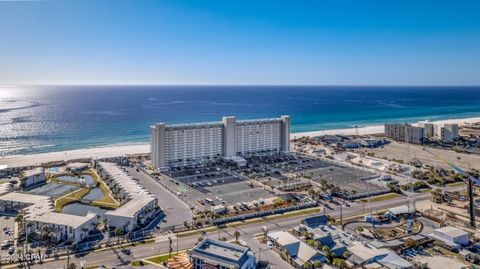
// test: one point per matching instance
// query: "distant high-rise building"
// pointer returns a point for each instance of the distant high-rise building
(428, 128)
(446, 132)
(404, 133)
(182, 144)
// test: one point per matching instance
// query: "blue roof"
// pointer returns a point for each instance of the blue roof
(314, 222)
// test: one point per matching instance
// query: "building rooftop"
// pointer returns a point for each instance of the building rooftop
(403, 209)
(131, 207)
(220, 252)
(124, 182)
(296, 248)
(138, 196)
(451, 231)
(364, 252)
(314, 222)
(77, 165)
(40, 208)
(33, 172)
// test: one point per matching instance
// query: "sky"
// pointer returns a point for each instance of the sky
(321, 42)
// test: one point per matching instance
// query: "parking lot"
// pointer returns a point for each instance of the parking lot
(6, 233)
(222, 187)
(348, 179)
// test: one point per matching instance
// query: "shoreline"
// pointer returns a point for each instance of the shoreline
(377, 129)
(138, 148)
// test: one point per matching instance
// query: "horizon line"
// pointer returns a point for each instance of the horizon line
(238, 85)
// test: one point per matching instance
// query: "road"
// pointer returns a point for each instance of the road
(176, 211)
(247, 233)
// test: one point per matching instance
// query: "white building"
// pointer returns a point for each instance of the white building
(138, 205)
(404, 133)
(446, 132)
(371, 257)
(298, 252)
(451, 236)
(33, 177)
(76, 167)
(181, 144)
(428, 127)
(211, 253)
(40, 217)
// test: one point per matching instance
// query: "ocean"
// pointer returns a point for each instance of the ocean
(57, 118)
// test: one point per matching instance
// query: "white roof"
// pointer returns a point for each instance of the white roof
(124, 182)
(33, 172)
(403, 209)
(138, 196)
(296, 248)
(130, 208)
(451, 231)
(40, 208)
(77, 165)
(383, 256)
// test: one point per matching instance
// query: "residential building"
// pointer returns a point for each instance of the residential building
(327, 235)
(452, 237)
(76, 167)
(183, 144)
(368, 256)
(33, 177)
(446, 132)
(212, 253)
(404, 133)
(39, 214)
(428, 128)
(294, 251)
(138, 206)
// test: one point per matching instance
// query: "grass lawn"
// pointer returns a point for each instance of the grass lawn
(159, 259)
(382, 197)
(155, 259)
(107, 201)
(456, 184)
(70, 198)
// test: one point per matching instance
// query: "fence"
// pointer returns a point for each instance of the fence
(264, 213)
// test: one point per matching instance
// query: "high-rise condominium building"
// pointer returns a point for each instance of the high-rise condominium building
(404, 133)
(182, 144)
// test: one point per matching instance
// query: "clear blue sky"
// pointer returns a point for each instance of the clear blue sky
(357, 42)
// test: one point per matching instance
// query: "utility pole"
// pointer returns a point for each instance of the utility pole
(471, 203)
(341, 214)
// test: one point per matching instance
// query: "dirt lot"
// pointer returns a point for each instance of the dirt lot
(406, 152)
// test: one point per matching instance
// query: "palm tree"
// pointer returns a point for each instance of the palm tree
(307, 265)
(328, 253)
(317, 264)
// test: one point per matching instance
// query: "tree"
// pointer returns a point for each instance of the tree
(328, 253)
(340, 263)
(410, 242)
(437, 195)
(237, 235)
(307, 265)
(71, 266)
(317, 264)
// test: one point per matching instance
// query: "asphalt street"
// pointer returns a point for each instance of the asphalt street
(247, 233)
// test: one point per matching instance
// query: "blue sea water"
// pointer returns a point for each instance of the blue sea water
(55, 118)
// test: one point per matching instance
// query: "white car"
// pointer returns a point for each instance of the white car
(269, 244)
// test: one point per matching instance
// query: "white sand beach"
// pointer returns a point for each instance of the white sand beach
(376, 129)
(98, 152)
(136, 148)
